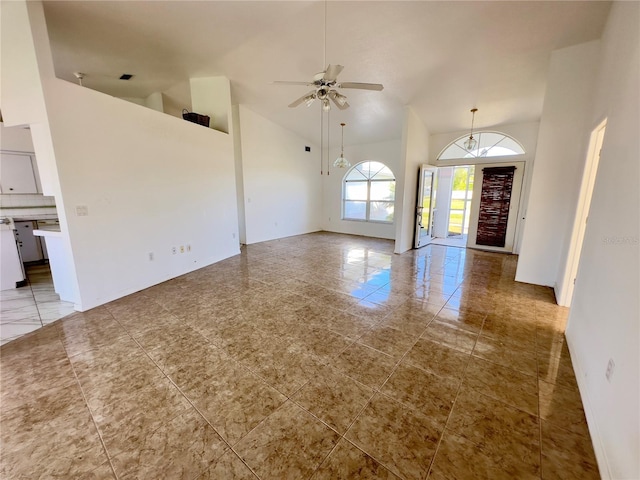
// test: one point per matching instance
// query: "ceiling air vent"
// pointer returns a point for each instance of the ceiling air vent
(126, 76)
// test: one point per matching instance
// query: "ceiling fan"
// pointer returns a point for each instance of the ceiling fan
(325, 85)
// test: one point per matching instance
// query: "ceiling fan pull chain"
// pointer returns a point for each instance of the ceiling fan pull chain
(321, 141)
(328, 141)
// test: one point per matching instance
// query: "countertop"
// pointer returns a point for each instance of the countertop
(35, 217)
(48, 231)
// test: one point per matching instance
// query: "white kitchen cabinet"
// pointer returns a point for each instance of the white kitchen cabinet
(11, 270)
(17, 173)
(30, 249)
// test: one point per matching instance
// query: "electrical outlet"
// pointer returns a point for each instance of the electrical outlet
(181, 248)
(151, 256)
(610, 367)
(174, 250)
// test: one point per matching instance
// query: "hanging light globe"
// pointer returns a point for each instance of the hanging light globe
(470, 143)
(342, 162)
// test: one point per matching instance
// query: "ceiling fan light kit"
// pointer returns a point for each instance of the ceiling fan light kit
(325, 84)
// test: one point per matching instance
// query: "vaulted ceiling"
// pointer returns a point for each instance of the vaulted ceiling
(441, 58)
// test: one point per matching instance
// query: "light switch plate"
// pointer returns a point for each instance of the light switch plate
(82, 210)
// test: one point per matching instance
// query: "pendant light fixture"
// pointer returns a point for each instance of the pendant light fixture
(470, 143)
(342, 162)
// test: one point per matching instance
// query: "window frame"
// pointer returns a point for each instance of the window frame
(368, 200)
(471, 156)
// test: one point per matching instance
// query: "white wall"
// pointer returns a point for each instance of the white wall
(150, 182)
(388, 153)
(237, 154)
(415, 151)
(212, 96)
(21, 95)
(282, 185)
(176, 98)
(560, 158)
(28, 60)
(604, 321)
(137, 101)
(17, 139)
(155, 101)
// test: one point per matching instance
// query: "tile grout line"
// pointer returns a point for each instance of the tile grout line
(375, 390)
(453, 404)
(538, 390)
(35, 301)
(230, 447)
(84, 398)
(378, 390)
(244, 367)
(163, 373)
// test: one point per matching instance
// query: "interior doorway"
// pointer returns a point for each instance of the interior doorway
(566, 285)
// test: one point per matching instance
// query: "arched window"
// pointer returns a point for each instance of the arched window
(368, 193)
(490, 144)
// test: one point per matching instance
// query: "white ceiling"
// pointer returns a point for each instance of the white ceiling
(442, 58)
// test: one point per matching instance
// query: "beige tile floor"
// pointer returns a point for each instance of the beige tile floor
(321, 356)
(25, 309)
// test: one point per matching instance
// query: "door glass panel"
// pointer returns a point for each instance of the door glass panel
(426, 201)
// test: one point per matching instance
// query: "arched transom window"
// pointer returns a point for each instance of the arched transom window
(490, 144)
(368, 193)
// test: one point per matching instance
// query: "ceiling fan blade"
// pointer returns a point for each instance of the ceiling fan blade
(277, 82)
(302, 99)
(362, 86)
(332, 72)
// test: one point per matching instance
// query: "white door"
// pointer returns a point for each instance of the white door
(425, 206)
(494, 209)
